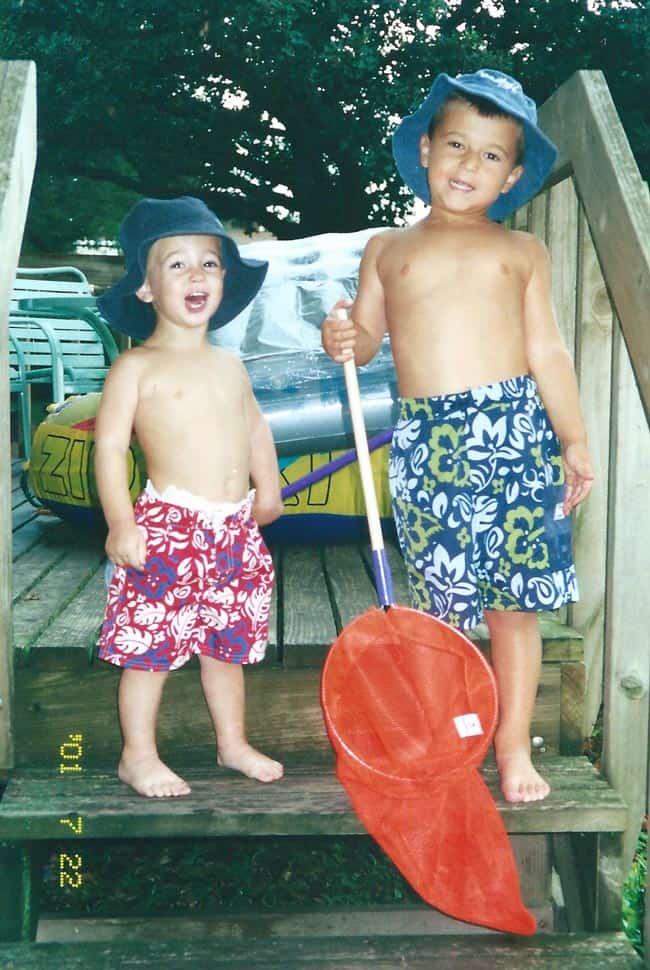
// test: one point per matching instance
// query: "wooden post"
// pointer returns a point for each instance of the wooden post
(17, 159)
(593, 366)
(562, 233)
(627, 653)
(582, 120)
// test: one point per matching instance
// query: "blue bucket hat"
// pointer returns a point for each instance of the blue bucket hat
(507, 94)
(152, 219)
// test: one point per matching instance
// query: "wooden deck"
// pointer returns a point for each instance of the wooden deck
(58, 602)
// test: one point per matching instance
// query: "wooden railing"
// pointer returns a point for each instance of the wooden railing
(595, 219)
(17, 160)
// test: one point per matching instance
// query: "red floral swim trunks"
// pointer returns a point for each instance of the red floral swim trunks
(205, 589)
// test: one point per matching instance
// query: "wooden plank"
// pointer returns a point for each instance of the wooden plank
(546, 717)
(17, 499)
(593, 364)
(34, 611)
(56, 698)
(17, 160)
(543, 952)
(58, 695)
(24, 513)
(533, 857)
(611, 872)
(627, 661)
(581, 119)
(350, 587)
(408, 919)
(38, 529)
(538, 219)
(79, 623)
(305, 802)
(17, 494)
(31, 567)
(572, 695)
(308, 625)
(562, 245)
(568, 871)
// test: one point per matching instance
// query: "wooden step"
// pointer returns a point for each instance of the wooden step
(593, 952)
(59, 694)
(406, 919)
(39, 805)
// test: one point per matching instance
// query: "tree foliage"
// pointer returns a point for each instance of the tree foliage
(279, 112)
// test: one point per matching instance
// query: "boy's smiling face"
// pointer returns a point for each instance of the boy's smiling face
(184, 279)
(470, 159)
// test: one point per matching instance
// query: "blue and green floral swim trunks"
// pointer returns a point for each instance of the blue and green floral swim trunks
(477, 484)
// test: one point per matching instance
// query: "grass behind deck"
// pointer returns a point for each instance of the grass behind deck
(191, 876)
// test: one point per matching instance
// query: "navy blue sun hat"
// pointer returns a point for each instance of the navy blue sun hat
(507, 94)
(152, 219)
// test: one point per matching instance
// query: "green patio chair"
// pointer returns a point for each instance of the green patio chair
(51, 282)
(70, 349)
(18, 385)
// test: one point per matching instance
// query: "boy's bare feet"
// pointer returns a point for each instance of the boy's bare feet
(520, 782)
(150, 777)
(242, 757)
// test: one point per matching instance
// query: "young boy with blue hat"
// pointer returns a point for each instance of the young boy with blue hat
(191, 572)
(489, 453)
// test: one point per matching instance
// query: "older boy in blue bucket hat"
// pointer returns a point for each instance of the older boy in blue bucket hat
(192, 575)
(489, 453)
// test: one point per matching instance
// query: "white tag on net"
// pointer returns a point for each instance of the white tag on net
(468, 725)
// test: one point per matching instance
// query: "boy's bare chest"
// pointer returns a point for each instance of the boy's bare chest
(190, 386)
(450, 266)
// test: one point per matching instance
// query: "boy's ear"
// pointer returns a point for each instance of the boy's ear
(512, 179)
(425, 147)
(144, 292)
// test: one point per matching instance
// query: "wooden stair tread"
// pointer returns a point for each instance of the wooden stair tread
(290, 922)
(308, 801)
(543, 952)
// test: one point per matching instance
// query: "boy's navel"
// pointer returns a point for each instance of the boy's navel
(504, 269)
(406, 268)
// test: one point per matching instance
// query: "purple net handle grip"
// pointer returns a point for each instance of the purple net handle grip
(333, 466)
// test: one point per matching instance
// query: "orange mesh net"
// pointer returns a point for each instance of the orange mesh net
(410, 706)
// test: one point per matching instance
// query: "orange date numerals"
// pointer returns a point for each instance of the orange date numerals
(70, 863)
(76, 826)
(70, 873)
(70, 753)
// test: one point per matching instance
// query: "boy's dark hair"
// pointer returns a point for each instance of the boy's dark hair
(486, 108)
